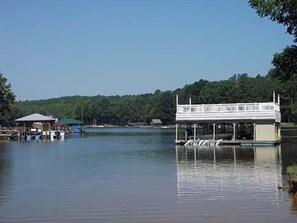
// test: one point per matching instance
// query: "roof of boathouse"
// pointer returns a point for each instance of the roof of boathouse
(156, 121)
(35, 118)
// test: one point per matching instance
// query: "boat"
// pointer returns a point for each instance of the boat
(57, 134)
(34, 134)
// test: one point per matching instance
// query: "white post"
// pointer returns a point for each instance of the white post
(254, 124)
(278, 99)
(194, 131)
(190, 101)
(234, 131)
(273, 96)
(214, 131)
(176, 132)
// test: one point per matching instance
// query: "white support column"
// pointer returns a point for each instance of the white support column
(194, 131)
(214, 131)
(254, 124)
(234, 132)
(176, 132)
(273, 96)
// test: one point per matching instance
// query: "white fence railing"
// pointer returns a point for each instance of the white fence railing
(237, 111)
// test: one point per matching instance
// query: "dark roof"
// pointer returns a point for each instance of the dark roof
(69, 121)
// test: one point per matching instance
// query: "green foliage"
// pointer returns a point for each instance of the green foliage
(6, 98)
(286, 64)
(285, 13)
(292, 171)
(281, 11)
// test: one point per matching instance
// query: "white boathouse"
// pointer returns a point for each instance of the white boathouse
(263, 118)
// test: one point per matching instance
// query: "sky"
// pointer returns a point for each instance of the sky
(55, 48)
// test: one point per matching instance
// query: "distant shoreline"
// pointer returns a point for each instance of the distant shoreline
(118, 126)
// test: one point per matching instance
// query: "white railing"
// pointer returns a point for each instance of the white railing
(238, 111)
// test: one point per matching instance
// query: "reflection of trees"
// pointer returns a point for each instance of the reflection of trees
(5, 169)
(289, 157)
(294, 204)
(289, 154)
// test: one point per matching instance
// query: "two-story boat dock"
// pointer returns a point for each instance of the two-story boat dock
(262, 118)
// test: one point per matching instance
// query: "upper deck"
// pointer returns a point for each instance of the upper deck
(237, 112)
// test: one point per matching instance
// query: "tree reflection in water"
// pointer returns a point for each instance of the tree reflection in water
(294, 204)
(5, 173)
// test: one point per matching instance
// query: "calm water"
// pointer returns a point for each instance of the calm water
(139, 175)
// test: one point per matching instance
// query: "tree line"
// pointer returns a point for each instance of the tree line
(123, 110)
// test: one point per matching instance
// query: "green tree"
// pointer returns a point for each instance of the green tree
(164, 107)
(285, 13)
(281, 11)
(7, 98)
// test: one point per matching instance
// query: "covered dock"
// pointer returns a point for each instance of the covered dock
(35, 125)
(69, 125)
(235, 123)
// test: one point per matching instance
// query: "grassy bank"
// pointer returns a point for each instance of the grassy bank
(292, 171)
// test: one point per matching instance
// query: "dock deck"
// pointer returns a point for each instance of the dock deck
(240, 142)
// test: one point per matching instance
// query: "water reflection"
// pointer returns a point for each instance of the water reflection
(294, 204)
(5, 173)
(220, 173)
(131, 176)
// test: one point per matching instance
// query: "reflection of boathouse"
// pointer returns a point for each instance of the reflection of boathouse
(252, 123)
(219, 172)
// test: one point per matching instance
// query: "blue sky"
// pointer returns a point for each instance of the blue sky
(53, 48)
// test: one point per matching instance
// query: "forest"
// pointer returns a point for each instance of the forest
(127, 109)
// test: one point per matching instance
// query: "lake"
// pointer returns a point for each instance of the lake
(139, 175)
